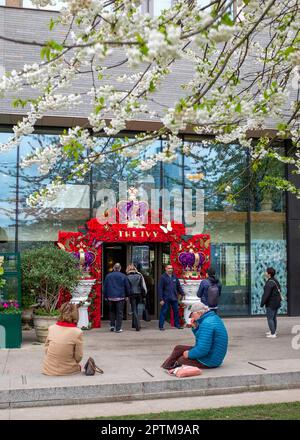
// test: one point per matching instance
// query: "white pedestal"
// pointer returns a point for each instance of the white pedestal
(190, 288)
(81, 294)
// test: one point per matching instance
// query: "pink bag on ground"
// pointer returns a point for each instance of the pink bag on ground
(185, 371)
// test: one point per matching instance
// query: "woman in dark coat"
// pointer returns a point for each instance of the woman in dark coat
(272, 300)
(139, 291)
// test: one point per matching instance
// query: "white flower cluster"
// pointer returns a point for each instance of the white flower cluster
(49, 193)
(222, 33)
(233, 88)
(45, 158)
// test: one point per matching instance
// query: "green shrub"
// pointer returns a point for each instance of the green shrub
(45, 271)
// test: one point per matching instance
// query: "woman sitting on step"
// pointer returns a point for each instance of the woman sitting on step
(64, 344)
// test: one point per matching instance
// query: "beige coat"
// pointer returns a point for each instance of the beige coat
(64, 350)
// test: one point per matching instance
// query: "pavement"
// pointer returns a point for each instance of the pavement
(256, 369)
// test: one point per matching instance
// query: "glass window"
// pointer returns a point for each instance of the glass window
(8, 172)
(210, 168)
(68, 210)
(268, 233)
(111, 182)
(172, 203)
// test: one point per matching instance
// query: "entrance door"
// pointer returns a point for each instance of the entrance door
(112, 254)
(149, 258)
(144, 257)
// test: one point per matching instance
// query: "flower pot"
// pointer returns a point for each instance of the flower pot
(10, 330)
(41, 325)
(27, 319)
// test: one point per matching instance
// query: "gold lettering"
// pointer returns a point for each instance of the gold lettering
(127, 234)
(120, 234)
(133, 233)
(155, 234)
(148, 234)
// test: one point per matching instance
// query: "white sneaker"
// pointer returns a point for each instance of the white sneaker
(119, 331)
(268, 333)
(272, 336)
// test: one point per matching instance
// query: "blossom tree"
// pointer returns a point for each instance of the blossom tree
(244, 73)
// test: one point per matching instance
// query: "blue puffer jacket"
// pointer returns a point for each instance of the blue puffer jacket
(116, 285)
(211, 340)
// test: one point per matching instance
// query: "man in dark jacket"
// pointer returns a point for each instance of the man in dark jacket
(203, 291)
(116, 289)
(168, 289)
(272, 300)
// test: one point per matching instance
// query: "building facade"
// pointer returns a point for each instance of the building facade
(259, 229)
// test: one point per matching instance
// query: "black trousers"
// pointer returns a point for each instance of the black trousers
(135, 300)
(116, 309)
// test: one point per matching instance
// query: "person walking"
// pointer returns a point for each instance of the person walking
(139, 291)
(209, 290)
(116, 290)
(271, 299)
(64, 344)
(168, 289)
(211, 341)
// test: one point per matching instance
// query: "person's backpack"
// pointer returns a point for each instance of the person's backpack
(213, 295)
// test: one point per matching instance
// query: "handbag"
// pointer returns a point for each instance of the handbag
(185, 371)
(91, 368)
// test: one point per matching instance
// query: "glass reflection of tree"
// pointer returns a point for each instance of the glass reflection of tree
(223, 166)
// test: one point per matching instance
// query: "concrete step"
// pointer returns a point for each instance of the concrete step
(85, 390)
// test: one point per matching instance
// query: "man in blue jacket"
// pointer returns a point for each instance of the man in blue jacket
(211, 341)
(116, 289)
(210, 290)
(168, 289)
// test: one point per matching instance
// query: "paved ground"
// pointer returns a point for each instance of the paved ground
(135, 358)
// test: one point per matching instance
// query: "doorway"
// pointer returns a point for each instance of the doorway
(149, 259)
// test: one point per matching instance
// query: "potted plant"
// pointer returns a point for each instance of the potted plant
(28, 301)
(10, 324)
(45, 271)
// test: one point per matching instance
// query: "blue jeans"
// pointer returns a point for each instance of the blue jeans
(272, 319)
(164, 310)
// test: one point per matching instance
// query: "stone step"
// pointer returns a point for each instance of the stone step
(28, 396)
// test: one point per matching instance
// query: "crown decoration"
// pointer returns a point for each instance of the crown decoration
(132, 211)
(192, 262)
(86, 258)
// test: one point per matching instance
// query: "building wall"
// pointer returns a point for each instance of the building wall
(246, 237)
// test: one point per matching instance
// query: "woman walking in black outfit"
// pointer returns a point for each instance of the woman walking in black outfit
(138, 293)
(272, 300)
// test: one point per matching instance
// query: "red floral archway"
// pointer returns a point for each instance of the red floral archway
(96, 233)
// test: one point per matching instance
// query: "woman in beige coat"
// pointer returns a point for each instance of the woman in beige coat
(64, 344)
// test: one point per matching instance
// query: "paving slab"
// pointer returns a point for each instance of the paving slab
(131, 363)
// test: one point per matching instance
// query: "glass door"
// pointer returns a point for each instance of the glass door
(144, 257)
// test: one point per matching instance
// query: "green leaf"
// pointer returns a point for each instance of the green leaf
(52, 24)
(226, 19)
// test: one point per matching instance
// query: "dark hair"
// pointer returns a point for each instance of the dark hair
(271, 271)
(211, 272)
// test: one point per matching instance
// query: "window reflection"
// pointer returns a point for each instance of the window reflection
(8, 171)
(68, 210)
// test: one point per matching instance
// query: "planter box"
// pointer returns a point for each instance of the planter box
(10, 330)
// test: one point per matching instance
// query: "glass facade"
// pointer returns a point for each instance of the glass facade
(247, 231)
